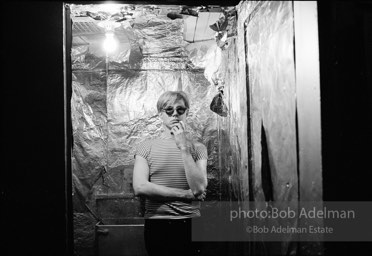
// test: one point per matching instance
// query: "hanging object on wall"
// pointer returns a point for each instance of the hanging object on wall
(221, 38)
(213, 60)
(218, 105)
(225, 27)
(220, 25)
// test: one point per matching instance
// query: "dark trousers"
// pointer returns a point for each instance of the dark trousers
(169, 237)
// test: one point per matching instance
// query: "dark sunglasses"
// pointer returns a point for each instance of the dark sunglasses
(170, 110)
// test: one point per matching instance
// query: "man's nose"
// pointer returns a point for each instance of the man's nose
(175, 113)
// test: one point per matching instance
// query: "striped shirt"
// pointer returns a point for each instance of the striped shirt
(166, 168)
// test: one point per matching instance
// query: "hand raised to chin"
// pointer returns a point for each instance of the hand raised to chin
(178, 131)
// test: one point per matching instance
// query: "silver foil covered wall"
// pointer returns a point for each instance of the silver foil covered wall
(233, 128)
(269, 39)
(114, 108)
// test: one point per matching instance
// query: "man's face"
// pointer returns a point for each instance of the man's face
(173, 113)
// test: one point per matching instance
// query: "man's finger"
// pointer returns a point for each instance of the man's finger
(183, 125)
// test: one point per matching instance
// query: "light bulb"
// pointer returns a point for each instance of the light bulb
(110, 44)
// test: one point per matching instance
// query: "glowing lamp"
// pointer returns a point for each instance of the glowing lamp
(110, 44)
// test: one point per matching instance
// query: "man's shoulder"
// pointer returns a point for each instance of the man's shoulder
(198, 144)
(152, 141)
(145, 143)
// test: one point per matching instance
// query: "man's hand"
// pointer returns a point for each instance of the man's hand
(201, 197)
(178, 130)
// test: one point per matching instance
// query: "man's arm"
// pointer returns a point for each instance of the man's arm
(142, 186)
(196, 172)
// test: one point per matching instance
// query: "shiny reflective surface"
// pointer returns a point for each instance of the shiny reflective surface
(114, 105)
(113, 109)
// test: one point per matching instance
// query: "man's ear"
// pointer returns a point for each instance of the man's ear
(162, 116)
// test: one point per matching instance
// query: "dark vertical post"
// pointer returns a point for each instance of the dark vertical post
(249, 132)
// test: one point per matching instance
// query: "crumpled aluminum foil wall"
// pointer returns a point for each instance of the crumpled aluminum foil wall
(159, 36)
(89, 115)
(114, 111)
(198, 53)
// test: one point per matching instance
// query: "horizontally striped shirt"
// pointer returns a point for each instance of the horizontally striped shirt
(166, 168)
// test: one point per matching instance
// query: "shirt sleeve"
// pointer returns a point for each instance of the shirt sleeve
(200, 152)
(143, 149)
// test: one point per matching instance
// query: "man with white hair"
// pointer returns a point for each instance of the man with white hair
(171, 172)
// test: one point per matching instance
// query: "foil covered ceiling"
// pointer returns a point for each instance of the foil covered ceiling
(197, 20)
